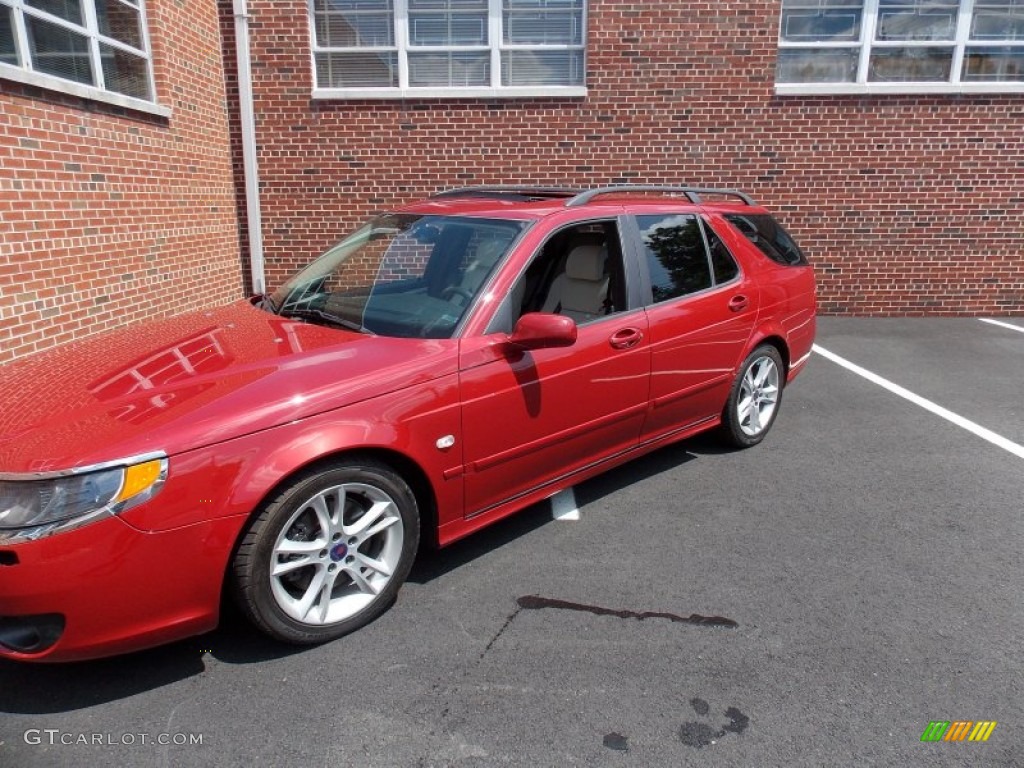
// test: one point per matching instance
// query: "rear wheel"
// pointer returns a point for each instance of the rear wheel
(329, 553)
(754, 399)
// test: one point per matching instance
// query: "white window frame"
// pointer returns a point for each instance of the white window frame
(959, 44)
(24, 72)
(497, 46)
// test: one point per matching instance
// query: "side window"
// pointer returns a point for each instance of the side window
(722, 261)
(676, 256)
(578, 273)
(769, 237)
(99, 44)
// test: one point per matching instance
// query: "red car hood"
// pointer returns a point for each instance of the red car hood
(192, 380)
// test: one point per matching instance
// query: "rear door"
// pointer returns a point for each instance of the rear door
(787, 284)
(701, 310)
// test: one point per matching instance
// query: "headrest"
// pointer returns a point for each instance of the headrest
(488, 251)
(586, 262)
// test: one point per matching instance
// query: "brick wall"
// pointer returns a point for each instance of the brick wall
(906, 204)
(109, 216)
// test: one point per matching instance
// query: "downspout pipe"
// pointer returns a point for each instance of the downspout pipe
(249, 162)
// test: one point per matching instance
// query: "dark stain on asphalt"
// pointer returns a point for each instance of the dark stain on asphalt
(700, 735)
(535, 602)
(738, 722)
(697, 735)
(616, 741)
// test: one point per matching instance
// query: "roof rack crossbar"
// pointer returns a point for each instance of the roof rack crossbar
(693, 194)
(512, 190)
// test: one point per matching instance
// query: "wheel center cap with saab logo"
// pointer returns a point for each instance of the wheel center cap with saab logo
(338, 552)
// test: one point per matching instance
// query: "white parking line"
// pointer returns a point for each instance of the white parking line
(928, 405)
(1001, 324)
(563, 506)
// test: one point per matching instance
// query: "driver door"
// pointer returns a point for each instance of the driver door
(533, 417)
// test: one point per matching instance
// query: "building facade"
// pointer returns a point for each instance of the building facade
(117, 195)
(887, 134)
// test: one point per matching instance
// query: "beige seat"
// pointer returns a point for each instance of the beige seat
(582, 290)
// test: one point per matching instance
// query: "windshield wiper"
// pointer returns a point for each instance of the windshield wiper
(265, 302)
(309, 313)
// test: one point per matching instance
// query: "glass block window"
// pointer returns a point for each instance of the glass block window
(899, 44)
(96, 43)
(447, 47)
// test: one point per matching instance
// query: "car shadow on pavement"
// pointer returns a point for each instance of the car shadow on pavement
(431, 564)
(51, 689)
(709, 444)
(54, 688)
(637, 471)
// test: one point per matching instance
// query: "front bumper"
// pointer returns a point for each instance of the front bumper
(109, 588)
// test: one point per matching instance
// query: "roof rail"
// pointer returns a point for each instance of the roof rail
(693, 194)
(508, 191)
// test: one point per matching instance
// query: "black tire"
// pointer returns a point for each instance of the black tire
(737, 429)
(274, 603)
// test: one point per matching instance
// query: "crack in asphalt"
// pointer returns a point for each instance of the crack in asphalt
(500, 632)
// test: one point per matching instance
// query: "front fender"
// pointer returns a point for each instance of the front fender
(235, 477)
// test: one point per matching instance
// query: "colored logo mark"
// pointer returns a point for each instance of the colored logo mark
(958, 730)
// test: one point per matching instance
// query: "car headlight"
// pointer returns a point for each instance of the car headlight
(32, 507)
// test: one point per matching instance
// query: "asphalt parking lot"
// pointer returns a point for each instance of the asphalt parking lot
(817, 600)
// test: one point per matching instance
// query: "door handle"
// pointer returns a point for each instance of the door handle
(626, 338)
(738, 303)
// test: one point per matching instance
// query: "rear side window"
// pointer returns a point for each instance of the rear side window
(769, 237)
(721, 260)
(676, 257)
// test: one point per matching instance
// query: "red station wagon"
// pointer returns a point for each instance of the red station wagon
(444, 366)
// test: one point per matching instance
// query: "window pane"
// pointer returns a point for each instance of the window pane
(357, 70)
(542, 68)
(916, 20)
(817, 65)
(8, 52)
(349, 6)
(69, 10)
(124, 72)
(543, 22)
(722, 261)
(910, 64)
(1005, 64)
(998, 20)
(351, 30)
(821, 20)
(449, 69)
(769, 237)
(676, 257)
(119, 21)
(448, 23)
(59, 51)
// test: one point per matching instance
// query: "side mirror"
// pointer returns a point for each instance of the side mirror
(540, 330)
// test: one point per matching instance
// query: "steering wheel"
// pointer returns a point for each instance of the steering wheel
(452, 291)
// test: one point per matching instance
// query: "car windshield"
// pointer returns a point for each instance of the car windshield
(400, 275)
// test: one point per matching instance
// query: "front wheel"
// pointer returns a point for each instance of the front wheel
(328, 554)
(754, 399)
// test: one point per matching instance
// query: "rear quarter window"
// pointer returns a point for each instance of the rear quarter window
(769, 237)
